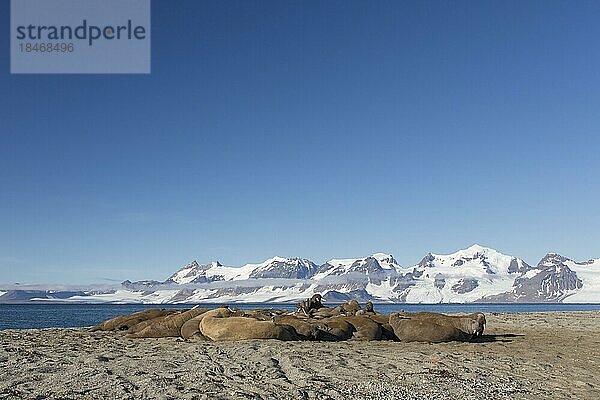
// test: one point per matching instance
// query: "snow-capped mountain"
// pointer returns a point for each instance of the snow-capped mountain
(284, 268)
(194, 273)
(465, 276)
(555, 279)
(276, 279)
(273, 268)
(377, 265)
(475, 274)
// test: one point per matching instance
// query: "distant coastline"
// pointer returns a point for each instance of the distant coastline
(475, 274)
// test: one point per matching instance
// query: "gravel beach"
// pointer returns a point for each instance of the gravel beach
(551, 355)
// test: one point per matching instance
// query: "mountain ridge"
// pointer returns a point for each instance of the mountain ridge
(474, 274)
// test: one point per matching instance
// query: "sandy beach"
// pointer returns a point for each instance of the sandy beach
(549, 355)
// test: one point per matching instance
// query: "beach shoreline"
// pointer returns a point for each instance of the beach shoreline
(522, 356)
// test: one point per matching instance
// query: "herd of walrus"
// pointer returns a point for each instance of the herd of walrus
(311, 321)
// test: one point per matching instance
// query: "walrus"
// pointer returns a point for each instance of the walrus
(326, 312)
(472, 324)
(334, 329)
(191, 328)
(218, 325)
(170, 326)
(480, 318)
(364, 328)
(350, 307)
(124, 322)
(368, 310)
(420, 330)
(260, 314)
(387, 332)
(305, 330)
(130, 323)
(310, 304)
(142, 325)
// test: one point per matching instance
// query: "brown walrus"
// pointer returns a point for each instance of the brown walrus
(218, 325)
(305, 330)
(140, 326)
(124, 322)
(334, 329)
(310, 304)
(325, 312)
(480, 317)
(169, 326)
(260, 314)
(387, 332)
(472, 324)
(191, 328)
(425, 330)
(368, 310)
(125, 326)
(350, 307)
(364, 328)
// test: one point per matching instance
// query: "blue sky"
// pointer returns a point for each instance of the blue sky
(308, 128)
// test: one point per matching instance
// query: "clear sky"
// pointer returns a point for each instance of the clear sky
(317, 129)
